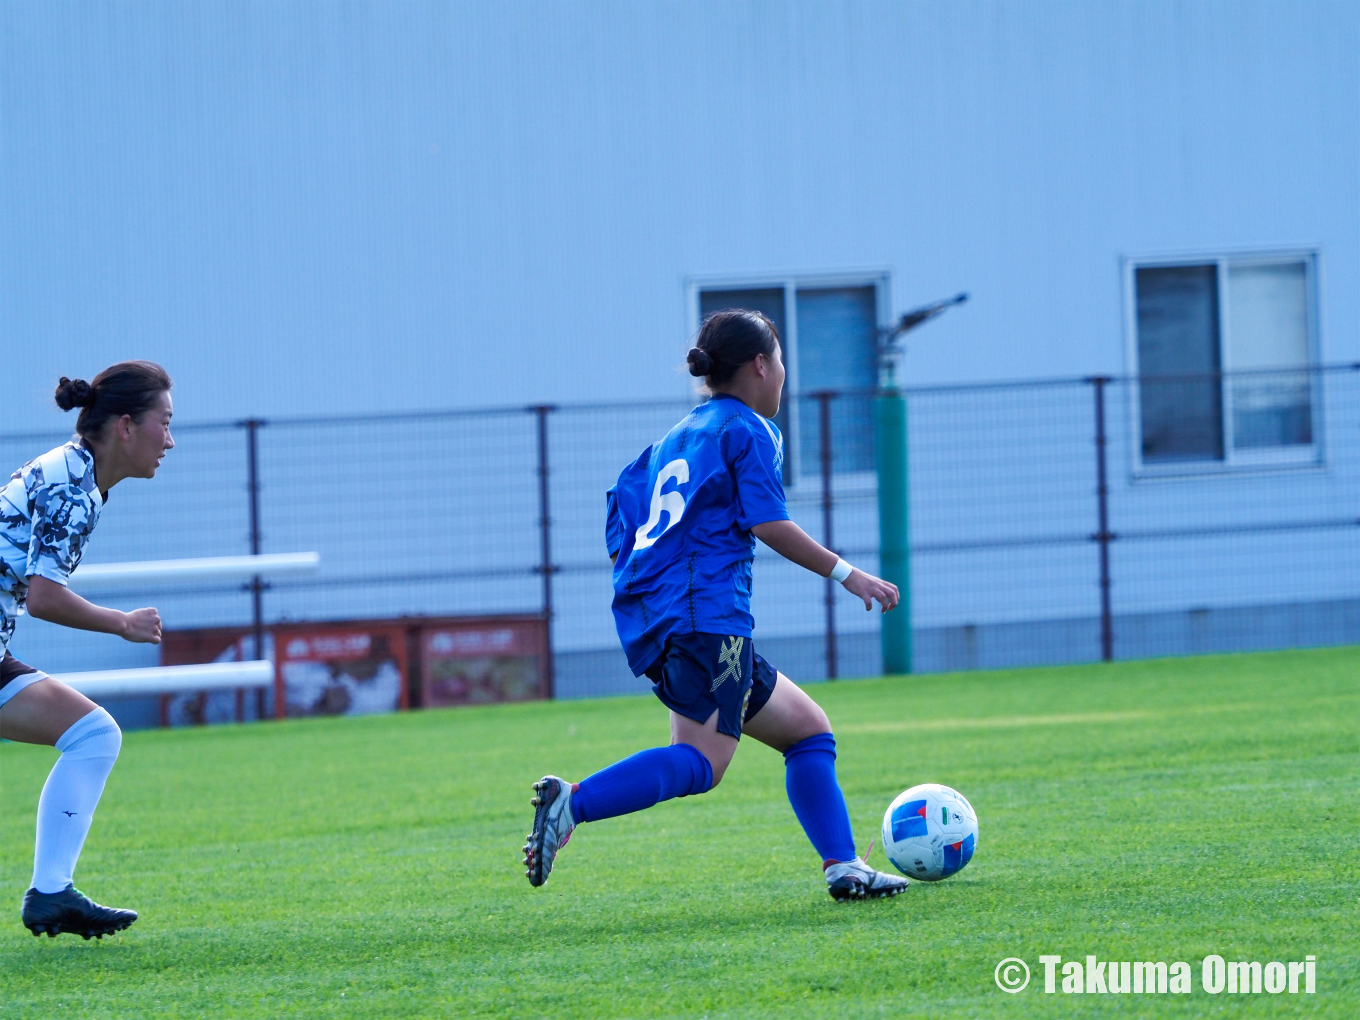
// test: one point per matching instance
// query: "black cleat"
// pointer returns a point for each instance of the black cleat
(855, 880)
(553, 825)
(72, 912)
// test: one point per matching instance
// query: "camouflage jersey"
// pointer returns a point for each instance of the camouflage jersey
(47, 511)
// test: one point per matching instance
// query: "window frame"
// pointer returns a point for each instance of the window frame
(1312, 455)
(792, 282)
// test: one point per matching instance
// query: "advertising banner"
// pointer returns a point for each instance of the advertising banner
(351, 669)
(478, 661)
(213, 644)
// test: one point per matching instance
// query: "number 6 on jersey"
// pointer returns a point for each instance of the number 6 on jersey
(672, 503)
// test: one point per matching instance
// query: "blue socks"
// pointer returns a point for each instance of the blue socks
(810, 778)
(641, 780)
(649, 777)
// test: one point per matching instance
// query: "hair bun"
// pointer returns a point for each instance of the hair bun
(700, 361)
(74, 393)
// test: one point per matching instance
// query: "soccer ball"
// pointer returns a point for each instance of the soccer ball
(930, 832)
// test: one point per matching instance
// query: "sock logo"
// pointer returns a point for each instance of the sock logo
(70, 814)
(730, 656)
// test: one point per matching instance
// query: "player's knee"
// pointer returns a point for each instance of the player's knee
(106, 732)
(691, 771)
(816, 720)
(114, 738)
(810, 722)
(95, 735)
(716, 765)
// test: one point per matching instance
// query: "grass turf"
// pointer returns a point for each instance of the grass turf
(369, 867)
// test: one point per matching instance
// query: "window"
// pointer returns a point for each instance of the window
(769, 301)
(829, 332)
(1224, 350)
(837, 350)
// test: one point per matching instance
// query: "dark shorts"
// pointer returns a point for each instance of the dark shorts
(15, 676)
(10, 667)
(698, 673)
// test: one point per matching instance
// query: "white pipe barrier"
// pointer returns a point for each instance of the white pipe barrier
(206, 568)
(140, 683)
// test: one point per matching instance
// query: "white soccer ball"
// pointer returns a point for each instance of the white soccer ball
(930, 832)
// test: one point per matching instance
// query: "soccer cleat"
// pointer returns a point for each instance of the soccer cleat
(855, 880)
(553, 825)
(72, 912)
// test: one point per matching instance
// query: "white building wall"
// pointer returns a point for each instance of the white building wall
(339, 208)
(335, 207)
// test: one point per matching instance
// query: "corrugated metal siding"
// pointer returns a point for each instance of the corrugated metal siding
(339, 207)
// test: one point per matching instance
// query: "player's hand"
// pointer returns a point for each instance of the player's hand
(142, 626)
(870, 589)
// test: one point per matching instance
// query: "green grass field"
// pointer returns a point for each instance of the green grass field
(369, 867)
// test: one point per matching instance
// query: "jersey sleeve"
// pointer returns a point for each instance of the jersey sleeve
(63, 516)
(755, 455)
(613, 522)
(620, 503)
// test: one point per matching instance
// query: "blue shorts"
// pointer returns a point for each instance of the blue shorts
(698, 673)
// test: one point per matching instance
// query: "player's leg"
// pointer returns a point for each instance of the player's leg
(36, 709)
(787, 716)
(792, 723)
(717, 747)
(691, 764)
(703, 679)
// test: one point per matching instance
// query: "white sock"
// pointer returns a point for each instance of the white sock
(66, 808)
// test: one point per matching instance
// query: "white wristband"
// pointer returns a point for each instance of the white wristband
(840, 571)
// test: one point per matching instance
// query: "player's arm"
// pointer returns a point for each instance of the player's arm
(793, 543)
(55, 603)
(60, 514)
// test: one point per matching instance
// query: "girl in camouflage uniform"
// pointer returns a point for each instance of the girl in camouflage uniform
(47, 512)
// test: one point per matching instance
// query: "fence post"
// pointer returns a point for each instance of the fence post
(1103, 536)
(894, 549)
(252, 427)
(545, 531)
(824, 399)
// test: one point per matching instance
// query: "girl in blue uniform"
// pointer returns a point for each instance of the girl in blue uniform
(48, 509)
(681, 528)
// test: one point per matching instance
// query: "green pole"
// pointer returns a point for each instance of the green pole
(890, 444)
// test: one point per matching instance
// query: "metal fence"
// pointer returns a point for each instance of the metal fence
(1048, 523)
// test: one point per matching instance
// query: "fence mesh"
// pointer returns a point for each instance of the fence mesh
(1050, 522)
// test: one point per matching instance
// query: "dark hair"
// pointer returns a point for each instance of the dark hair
(729, 339)
(129, 387)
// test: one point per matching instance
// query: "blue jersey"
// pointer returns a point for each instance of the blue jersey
(680, 520)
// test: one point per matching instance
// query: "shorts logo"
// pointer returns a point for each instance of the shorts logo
(730, 656)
